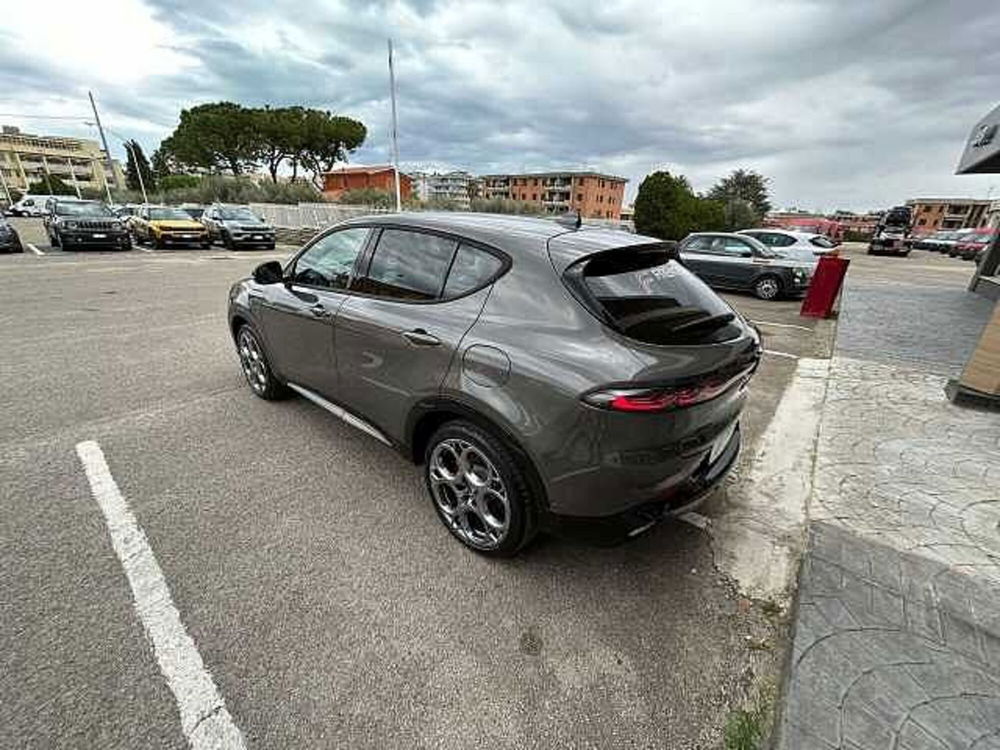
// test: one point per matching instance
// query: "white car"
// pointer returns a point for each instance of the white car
(799, 245)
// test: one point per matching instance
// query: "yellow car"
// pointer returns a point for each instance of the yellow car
(163, 225)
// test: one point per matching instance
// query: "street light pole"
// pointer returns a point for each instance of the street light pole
(107, 151)
(395, 142)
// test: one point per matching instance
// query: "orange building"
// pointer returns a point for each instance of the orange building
(594, 195)
(337, 181)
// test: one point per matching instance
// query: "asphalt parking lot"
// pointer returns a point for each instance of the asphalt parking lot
(305, 561)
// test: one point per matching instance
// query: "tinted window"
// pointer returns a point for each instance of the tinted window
(472, 268)
(821, 242)
(780, 240)
(649, 297)
(408, 265)
(329, 262)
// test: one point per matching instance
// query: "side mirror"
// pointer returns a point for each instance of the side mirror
(747, 254)
(269, 273)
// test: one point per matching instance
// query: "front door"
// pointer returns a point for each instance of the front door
(396, 337)
(735, 261)
(297, 316)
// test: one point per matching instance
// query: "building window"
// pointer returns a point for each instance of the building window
(534, 196)
(921, 222)
(926, 209)
(579, 197)
(534, 181)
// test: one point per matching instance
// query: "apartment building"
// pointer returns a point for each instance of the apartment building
(382, 177)
(448, 186)
(26, 158)
(594, 195)
(933, 214)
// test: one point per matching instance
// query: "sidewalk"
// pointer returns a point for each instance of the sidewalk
(897, 626)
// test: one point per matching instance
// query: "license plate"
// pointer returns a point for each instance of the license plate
(721, 442)
(188, 236)
(99, 236)
(258, 237)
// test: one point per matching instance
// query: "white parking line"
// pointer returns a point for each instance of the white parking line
(696, 519)
(205, 720)
(33, 249)
(781, 325)
(774, 353)
(144, 249)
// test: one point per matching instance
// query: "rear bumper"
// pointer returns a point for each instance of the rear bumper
(681, 499)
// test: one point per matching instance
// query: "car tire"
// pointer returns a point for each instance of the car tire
(503, 520)
(767, 287)
(227, 241)
(270, 246)
(54, 240)
(205, 245)
(256, 367)
(127, 245)
(158, 243)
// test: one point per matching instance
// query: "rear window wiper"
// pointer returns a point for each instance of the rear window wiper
(714, 321)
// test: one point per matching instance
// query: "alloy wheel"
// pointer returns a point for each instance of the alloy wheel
(469, 493)
(768, 288)
(252, 361)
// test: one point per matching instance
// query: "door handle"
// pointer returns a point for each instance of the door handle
(319, 311)
(420, 337)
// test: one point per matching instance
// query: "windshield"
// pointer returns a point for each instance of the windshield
(168, 213)
(650, 297)
(984, 237)
(242, 214)
(82, 208)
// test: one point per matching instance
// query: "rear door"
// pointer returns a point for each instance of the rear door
(395, 337)
(297, 316)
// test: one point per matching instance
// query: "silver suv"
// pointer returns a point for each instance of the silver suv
(546, 377)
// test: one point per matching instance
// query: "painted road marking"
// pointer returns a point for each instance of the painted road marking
(144, 249)
(774, 353)
(33, 248)
(781, 325)
(205, 720)
(696, 519)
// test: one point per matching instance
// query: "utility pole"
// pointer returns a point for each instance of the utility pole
(395, 141)
(138, 170)
(107, 151)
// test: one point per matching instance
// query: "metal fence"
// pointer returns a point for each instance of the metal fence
(309, 215)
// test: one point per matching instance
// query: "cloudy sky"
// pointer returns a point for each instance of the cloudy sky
(851, 104)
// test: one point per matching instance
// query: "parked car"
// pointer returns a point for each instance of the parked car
(579, 381)
(194, 210)
(237, 226)
(792, 244)
(10, 242)
(72, 223)
(934, 241)
(970, 245)
(31, 205)
(740, 262)
(164, 225)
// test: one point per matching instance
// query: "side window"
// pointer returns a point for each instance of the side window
(328, 263)
(732, 246)
(698, 245)
(408, 266)
(472, 268)
(782, 240)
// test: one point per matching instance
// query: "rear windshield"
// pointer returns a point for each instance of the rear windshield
(647, 295)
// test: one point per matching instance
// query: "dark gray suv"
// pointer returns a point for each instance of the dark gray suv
(572, 380)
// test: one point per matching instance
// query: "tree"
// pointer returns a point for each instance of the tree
(667, 208)
(49, 184)
(164, 163)
(746, 187)
(135, 165)
(324, 140)
(214, 138)
(281, 134)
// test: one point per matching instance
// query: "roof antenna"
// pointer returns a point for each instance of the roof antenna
(573, 220)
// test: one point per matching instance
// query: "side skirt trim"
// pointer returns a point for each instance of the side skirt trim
(340, 413)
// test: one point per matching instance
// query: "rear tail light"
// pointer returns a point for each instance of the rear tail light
(647, 399)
